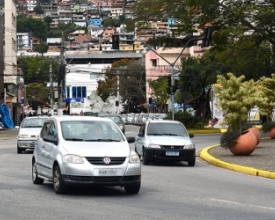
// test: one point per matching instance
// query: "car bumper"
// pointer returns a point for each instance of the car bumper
(101, 180)
(26, 144)
(161, 155)
(88, 174)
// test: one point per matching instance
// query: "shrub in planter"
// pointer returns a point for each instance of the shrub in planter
(269, 127)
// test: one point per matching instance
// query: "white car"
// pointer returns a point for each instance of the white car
(85, 151)
(28, 132)
(165, 141)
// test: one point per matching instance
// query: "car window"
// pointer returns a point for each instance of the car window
(45, 129)
(170, 129)
(33, 122)
(91, 131)
(52, 129)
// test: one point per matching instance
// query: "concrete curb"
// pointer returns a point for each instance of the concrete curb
(235, 167)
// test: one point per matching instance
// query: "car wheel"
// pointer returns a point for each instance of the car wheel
(192, 163)
(132, 189)
(145, 160)
(35, 178)
(19, 150)
(58, 184)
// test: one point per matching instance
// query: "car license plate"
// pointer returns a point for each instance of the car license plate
(108, 172)
(172, 153)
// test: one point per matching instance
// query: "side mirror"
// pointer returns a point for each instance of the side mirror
(191, 135)
(140, 134)
(131, 139)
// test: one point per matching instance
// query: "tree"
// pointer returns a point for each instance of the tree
(38, 9)
(38, 91)
(235, 97)
(42, 48)
(48, 20)
(36, 68)
(131, 81)
(159, 94)
(266, 90)
(37, 27)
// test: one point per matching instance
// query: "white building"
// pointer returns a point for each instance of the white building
(31, 4)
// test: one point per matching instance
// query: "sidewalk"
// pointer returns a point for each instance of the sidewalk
(8, 133)
(260, 163)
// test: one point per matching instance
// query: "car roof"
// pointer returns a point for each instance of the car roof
(165, 121)
(78, 118)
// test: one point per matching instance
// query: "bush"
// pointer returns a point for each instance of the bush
(229, 138)
(187, 119)
(267, 126)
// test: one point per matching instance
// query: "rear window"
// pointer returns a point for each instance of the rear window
(170, 129)
(33, 122)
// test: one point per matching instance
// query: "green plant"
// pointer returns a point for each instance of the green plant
(228, 139)
(267, 126)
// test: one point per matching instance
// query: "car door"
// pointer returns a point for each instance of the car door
(140, 140)
(39, 150)
(48, 149)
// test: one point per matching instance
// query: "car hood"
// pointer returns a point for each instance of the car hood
(98, 149)
(29, 131)
(169, 140)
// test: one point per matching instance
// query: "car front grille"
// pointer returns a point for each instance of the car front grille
(99, 160)
(169, 147)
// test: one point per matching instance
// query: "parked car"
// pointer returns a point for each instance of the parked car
(117, 119)
(28, 132)
(135, 119)
(85, 151)
(165, 141)
(124, 118)
(129, 118)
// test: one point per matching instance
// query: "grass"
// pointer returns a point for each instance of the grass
(204, 130)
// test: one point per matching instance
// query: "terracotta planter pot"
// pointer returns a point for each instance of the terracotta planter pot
(245, 144)
(257, 134)
(271, 133)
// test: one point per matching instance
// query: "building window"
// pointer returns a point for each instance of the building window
(79, 92)
(92, 76)
(153, 62)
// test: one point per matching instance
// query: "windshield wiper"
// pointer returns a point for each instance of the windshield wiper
(103, 140)
(74, 139)
(156, 134)
(170, 134)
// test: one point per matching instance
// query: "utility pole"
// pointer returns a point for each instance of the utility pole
(51, 87)
(2, 89)
(61, 77)
(117, 95)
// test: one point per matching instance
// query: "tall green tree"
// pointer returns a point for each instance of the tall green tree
(36, 68)
(37, 27)
(38, 91)
(159, 91)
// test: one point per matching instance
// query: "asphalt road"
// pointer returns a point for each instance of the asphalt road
(168, 191)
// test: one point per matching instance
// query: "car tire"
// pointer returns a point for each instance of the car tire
(58, 184)
(134, 189)
(19, 150)
(35, 178)
(145, 160)
(192, 163)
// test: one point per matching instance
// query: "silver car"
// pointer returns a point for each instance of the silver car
(85, 151)
(165, 141)
(28, 132)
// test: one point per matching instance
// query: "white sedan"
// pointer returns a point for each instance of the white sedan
(85, 151)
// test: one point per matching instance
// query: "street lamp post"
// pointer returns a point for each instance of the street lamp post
(172, 66)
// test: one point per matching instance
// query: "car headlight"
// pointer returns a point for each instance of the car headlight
(188, 146)
(134, 159)
(73, 159)
(23, 135)
(153, 146)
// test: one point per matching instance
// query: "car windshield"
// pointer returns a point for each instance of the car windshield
(33, 122)
(115, 119)
(169, 129)
(91, 131)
